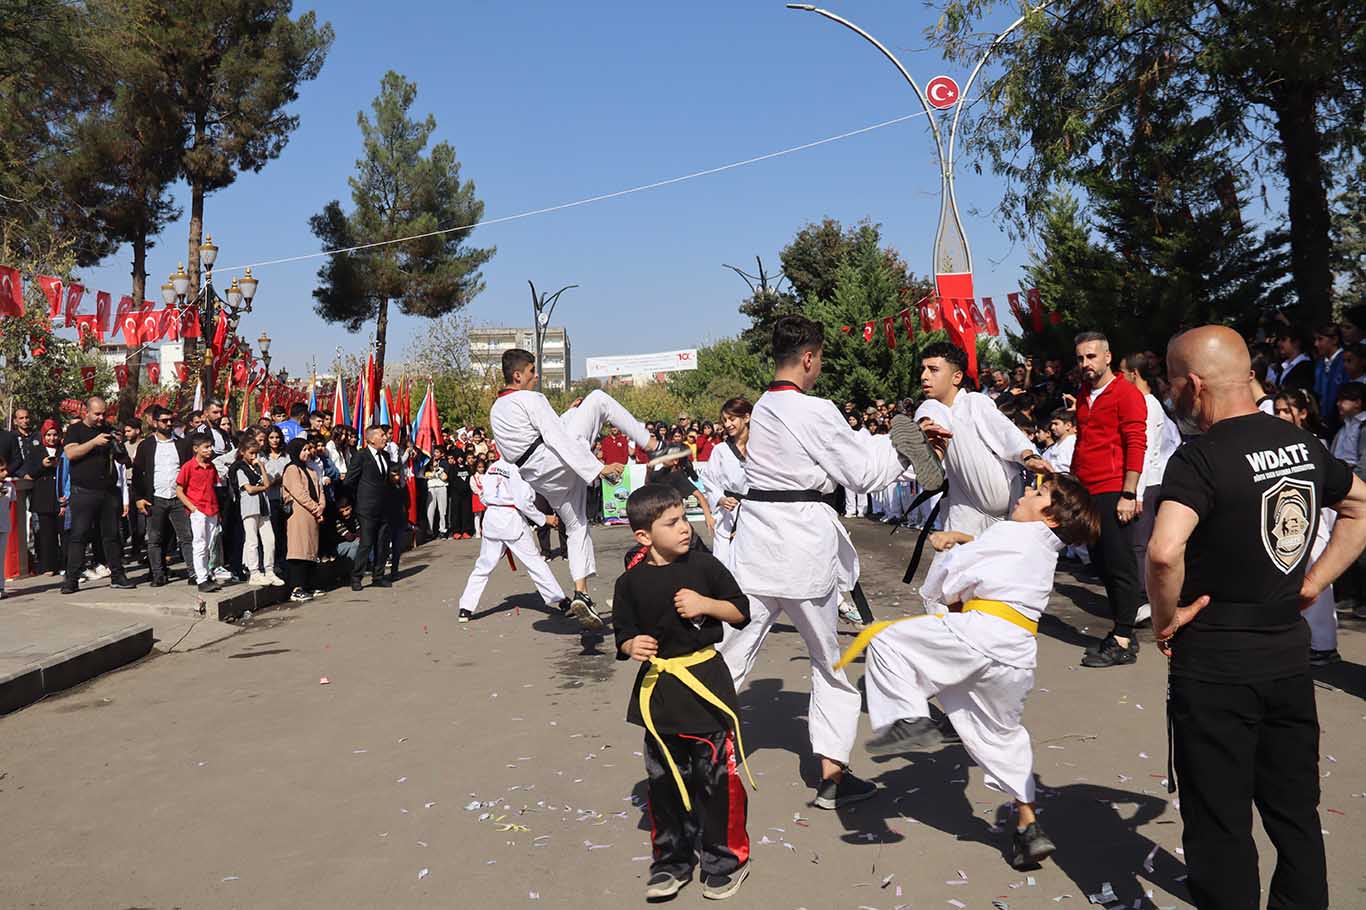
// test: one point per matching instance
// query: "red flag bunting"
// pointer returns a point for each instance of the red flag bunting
(929, 315)
(908, 323)
(191, 319)
(121, 375)
(978, 320)
(889, 329)
(989, 314)
(846, 329)
(125, 308)
(52, 289)
(88, 377)
(150, 324)
(220, 334)
(130, 330)
(88, 330)
(11, 292)
(74, 293)
(103, 304)
(169, 324)
(868, 330)
(182, 373)
(153, 372)
(1035, 308)
(239, 373)
(1016, 310)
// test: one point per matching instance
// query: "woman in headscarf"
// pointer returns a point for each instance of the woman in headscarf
(45, 498)
(302, 491)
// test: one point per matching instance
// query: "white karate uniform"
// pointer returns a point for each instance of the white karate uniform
(980, 667)
(507, 498)
(981, 466)
(1059, 454)
(795, 558)
(724, 470)
(856, 503)
(563, 466)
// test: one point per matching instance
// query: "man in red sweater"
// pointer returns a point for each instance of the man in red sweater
(1111, 440)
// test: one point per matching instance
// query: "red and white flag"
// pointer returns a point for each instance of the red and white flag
(889, 329)
(929, 315)
(1035, 308)
(125, 307)
(169, 324)
(103, 304)
(131, 334)
(993, 328)
(978, 320)
(908, 323)
(150, 327)
(153, 372)
(74, 293)
(53, 290)
(88, 377)
(1017, 311)
(88, 330)
(868, 328)
(182, 372)
(11, 292)
(121, 374)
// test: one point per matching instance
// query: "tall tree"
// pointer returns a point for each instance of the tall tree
(1349, 239)
(398, 193)
(235, 67)
(1281, 85)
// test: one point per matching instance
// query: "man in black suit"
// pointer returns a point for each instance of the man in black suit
(17, 443)
(377, 485)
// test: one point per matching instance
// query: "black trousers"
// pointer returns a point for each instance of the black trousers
(159, 514)
(100, 511)
(376, 546)
(715, 828)
(1239, 745)
(231, 534)
(460, 511)
(302, 574)
(48, 543)
(1114, 557)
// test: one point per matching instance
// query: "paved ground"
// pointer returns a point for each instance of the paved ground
(227, 776)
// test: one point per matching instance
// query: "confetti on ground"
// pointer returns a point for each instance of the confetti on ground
(358, 751)
(1105, 896)
(428, 805)
(887, 880)
(423, 873)
(959, 904)
(231, 878)
(401, 780)
(324, 681)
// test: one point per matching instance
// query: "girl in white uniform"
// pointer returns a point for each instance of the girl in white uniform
(979, 658)
(510, 503)
(723, 475)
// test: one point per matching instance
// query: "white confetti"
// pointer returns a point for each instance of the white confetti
(959, 904)
(423, 873)
(401, 780)
(231, 878)
(428, 805)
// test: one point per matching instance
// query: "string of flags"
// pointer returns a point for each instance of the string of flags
(959, 317)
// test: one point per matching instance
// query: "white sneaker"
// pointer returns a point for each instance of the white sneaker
(1145, 615)
(273, 580)
(222, 574)
(102, 572)
(849, 613)
(257, 580)
(90, 574)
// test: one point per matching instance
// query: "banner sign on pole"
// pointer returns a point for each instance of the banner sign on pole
(631, 364)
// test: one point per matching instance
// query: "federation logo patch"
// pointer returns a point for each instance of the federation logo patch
(1289, 508)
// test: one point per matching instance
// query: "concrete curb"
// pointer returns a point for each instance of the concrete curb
(73, 666)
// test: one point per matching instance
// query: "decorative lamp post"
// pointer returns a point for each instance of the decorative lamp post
(542, 306)
(264, 344)
(206, 303)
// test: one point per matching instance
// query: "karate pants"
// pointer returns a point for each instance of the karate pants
(855, 504)
(716, 823)
(524, 551)
(915, 660)
(1322, 614)
(1233, 746)
(566, 491)
(832, 718)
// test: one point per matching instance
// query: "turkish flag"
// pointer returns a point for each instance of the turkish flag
(88, 330)
(989, 312)
(908, 322)
(150, 324)
(88, 377)
(103, 304)
(52, 289)
(239, 373)
(11, 292)
(929, 315)
(868, 330)
(153, 372)
(125, 307)
(978, 321)
(1035, 309)
(889, 329)
(168, 323)
(220, 334)
(1016, 310)
(74, 293)
(130, 330)
(191, 328)
(121, 374)
(182, 373)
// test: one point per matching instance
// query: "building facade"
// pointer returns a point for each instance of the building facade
(488, 343)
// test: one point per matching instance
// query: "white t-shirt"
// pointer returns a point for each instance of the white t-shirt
(165, 467)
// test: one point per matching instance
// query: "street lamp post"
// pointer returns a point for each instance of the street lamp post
(176, 292)
(263, 343)
(542, 306)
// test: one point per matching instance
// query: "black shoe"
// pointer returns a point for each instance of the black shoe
(123, 584)
(1324, 658)
(581, 607)
(832, 794)
(564, 606)
(1030, 847)
(70, 589)
(159, 581)
(383, 583)
(209, 587)
(464, 616)
(720, 887)
(357, 586)
(1111, 654)
(664, 885)
(916, 735)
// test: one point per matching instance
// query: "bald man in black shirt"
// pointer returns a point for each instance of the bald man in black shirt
(1236, 520)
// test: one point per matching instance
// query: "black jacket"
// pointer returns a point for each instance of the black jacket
(43, 498)
(375, 492)
(145, 460)
(14, 450)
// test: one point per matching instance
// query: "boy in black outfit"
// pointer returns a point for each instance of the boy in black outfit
(668, 612)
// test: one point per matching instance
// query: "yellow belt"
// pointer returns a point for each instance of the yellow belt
(997, 608)
(678, 667)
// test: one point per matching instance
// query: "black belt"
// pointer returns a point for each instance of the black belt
(530, 450)
(925, 531)
(790, 496)
(732, 494)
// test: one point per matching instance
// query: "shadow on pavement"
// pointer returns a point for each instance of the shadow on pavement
(1345, 676)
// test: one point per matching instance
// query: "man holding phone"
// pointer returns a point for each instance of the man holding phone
(94, 454)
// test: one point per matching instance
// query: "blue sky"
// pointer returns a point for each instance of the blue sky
(546, 103)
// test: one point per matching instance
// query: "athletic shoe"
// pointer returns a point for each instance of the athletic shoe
(832, 794)
(1144, 616)
(123, 583)
(849, 613)
(1359, 611)
(1324, 658)
(209, 587)
(102, 572)
(222, 574)
(91, 574)
(382, 583)
(316, 593)
(919, 734)
(357, 586)
(564, 606)
(257, 580)
(1030, 847)
(273, 580)
(300, 596)
(67, 589)
(581, 608)
(1111, 654)
(466, 616)
(662, 884)
(720, 887)
(159, 581)
(1345, 606)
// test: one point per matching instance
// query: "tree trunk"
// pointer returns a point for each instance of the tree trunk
(381, 328)
(1310, 244)
(128, 395)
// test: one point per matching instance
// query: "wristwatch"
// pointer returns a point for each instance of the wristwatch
(1125, 494)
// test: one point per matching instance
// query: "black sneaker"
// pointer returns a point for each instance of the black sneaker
(720, 887)
(564, 606)
(382, 583)
(581, 608)
(832, 794)
(664, 885)
(1324, 658)
(465, 616)
(919, 734)
(123, 583)
(209, 587)
(159, 581)
(70, 589)
(1111, 654)
(1030, 847)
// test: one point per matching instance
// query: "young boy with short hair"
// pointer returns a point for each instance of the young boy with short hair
(194, 486)
(669, 612)
(1347, 442)
(979, 658)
